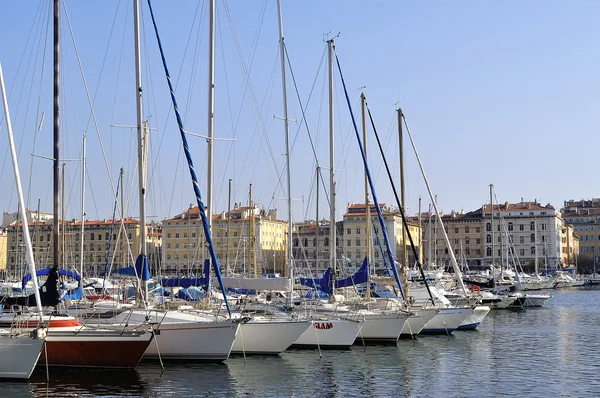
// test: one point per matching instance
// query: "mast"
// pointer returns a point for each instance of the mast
(287, 152)
(535, 245)
(429, 242)
(211, 110)
(367, 205)
(332, 228)
(227, 233)
(420, 259)
(492, 226)
(56, 138)
(403, 270)
(252, 232)
(62, 211)
(141, 142)
(318, 224)
(82, 206)
(124, 237)
(23, 211)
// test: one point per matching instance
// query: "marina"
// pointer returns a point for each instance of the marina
(538, 352)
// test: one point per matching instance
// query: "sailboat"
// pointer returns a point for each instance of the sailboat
(183, 335)
(19, 352)
(68, 343)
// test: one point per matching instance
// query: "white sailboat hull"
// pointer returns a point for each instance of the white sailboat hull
(182, 335)
(267, 337)
(329, 333)
(535, 300)
(472, 321)
(446, 321)
(415, 323)
(18, 356)
(383, 328)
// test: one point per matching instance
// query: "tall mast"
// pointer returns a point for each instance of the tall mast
(227, 233)
(535, 245)
(252, 232)
(492, 223)
(420, 259)
(403, 270)
(367, 205)
(429, 242)
(318, 224)
(62, 212)
(287, 151)
(124, 230)
(211, 110)
(56, 138)
(332, 228)
(141, 141)
(23, 211)
(84, 149)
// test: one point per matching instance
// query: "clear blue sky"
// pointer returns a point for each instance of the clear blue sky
(501, 92)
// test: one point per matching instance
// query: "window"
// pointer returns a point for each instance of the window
(488, 239)
(42, 237)
(455, 230)
(446, 250)
(488, 227)
(176, 235)
(467, 229)
(176, 245)
(478, 241)
(498, 252)
(193, 234)
(477, 229)
(234, 233)
(532, 238)
(349, 242)
(521, 227)
(532, 250)
(522, 252)
(468, 251)
(358, 230)
(326, 241)
(543, 227)
(543, 238)
(314, 242)
(107, 236)
(185, 234)
(467, 241)
(357, 242)
(99, 236)
(488, 251)
(305, 242)
(129, 235)
(532, 226)
(185, 256)
(168, 256)
(456, 251)
(349, 231)
(478, 251)
(168, 245)
(521, 239)
(510, 226)
(456, 241)
(92, 236)
(169, 235)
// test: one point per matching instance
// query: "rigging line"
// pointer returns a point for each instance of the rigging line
(194, 59)
(38, 126)
(164, 129)
(87, 91)
(372, 186)
(250, 87)
(302, 108)
(118, 77)
(188, 156)
(105, 57)
(400, 206)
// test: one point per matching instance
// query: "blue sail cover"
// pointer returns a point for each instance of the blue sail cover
(360, 276)
(143, 273)
(192, 293)
(75, 294)
(203, 281)
(323, 284)
(46, 271)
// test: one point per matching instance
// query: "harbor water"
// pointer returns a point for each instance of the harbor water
(546, 352)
